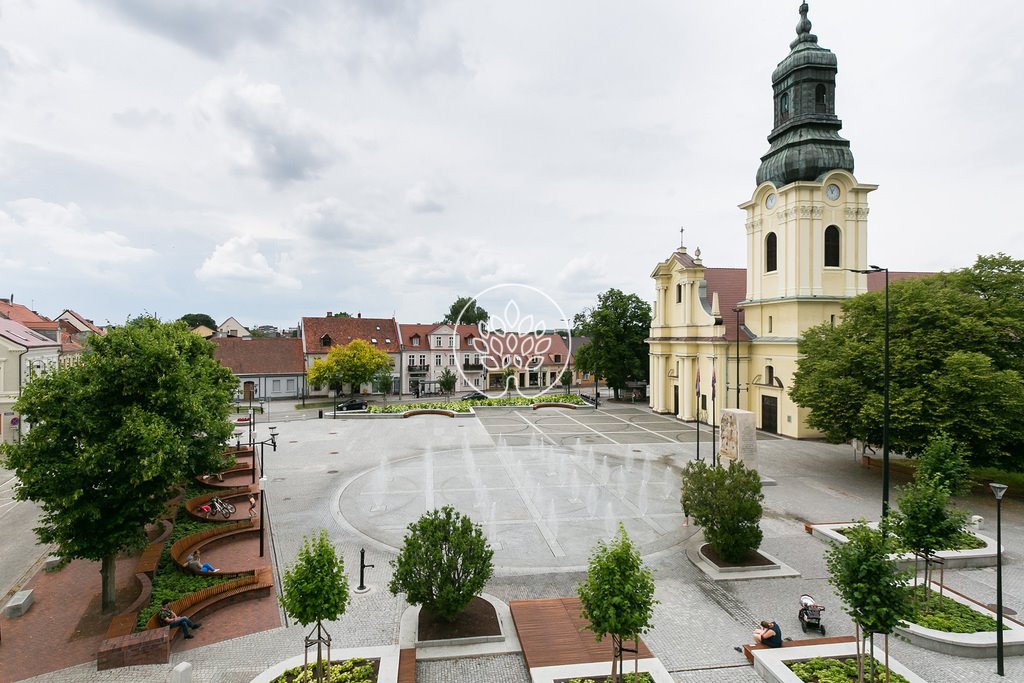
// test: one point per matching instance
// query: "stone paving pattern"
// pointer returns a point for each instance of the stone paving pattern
(697, 621)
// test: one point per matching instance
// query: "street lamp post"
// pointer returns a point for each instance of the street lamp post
(885, 388)
(273, 444)
(263, 493)
(998, 490)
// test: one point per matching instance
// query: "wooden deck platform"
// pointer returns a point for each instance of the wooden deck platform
(552, 633)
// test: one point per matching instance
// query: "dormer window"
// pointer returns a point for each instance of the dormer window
(325, 340)
(558, 358)
(416, 340)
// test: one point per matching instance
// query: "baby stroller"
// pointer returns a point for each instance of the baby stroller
(810, 614)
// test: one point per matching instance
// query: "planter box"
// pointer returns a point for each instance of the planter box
(953, 559)
(977, 645)
(770, 664)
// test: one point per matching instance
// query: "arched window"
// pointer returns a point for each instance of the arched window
(819, 99)
(770, 253)
(784, 106)
(769, 375)
(832, 246)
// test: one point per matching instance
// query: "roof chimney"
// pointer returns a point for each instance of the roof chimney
(359, 315)
(328, 314)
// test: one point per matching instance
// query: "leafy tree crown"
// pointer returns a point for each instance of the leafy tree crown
(445, 561)
(618, 594)
(315, 587)
(726, 503)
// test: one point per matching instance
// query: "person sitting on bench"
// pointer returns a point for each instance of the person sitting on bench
(196, 564)
(769, 635)
(167, 617)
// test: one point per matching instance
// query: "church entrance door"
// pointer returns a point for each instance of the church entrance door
(770, 414)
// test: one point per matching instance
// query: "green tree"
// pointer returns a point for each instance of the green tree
(956, 364)
(110, 436)
(316, 588)
(508, 377)
(618, 328)
(871, 586)
(355, 364)
(945, 461)
(384, 381)
(566, 379)
(341, 314)
(194, 320)
(726, 503)
(444, 563)
(618, 594)
(447, 381)
(924, 522)
(466, 311)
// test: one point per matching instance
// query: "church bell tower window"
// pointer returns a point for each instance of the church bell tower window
(784, 106)
(831, 247)
(771, 253)
(819, 99)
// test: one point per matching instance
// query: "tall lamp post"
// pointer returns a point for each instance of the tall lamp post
(998, 490)
(885, 388)
(263, 478)
(273, 444)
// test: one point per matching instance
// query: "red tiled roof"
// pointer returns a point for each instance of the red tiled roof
(344, 330)
(731, 285)
(85, 321)
(22, 335)
(26, 316)
(410, 330)
(260, 356)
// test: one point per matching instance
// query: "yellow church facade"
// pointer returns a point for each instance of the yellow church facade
(727, 337)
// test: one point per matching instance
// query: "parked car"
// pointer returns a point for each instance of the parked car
(474, 396)
(352, 404)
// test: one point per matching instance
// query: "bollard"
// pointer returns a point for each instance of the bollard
(182, 673)
(320, 414)
(362, 571)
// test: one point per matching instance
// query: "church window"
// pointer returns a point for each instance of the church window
(769, 374)
(679, 294)
(769, 323)
(784, 106)
(819, 99)
(832, 320)
(771, 253)
(832, 247)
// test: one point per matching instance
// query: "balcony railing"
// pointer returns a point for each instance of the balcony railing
(473, 367)
(419, 368)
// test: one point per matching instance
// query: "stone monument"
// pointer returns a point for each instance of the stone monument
(739, 438)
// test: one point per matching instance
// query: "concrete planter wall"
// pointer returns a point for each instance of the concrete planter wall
(770, 664)
(977, 645)
(953, 559)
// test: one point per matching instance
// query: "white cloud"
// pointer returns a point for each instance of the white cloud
(330, 222)
(268, 137)
(424, 198)
(37, 231)
(133, 117)
(240, 261)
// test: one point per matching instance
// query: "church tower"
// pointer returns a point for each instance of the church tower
(806, 225)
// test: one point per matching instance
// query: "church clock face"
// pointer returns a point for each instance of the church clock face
(832, 192)
(769, 203)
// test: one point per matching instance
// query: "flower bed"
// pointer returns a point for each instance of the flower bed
(348, 671)
(983, 554)
(464, 406)
(644, 677)
(823, 670)
(946, 614)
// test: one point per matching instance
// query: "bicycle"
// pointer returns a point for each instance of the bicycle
(218, 505)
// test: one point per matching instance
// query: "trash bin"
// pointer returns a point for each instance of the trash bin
(320, 414)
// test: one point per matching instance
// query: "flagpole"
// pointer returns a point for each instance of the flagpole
(697, 409)
(714, 381)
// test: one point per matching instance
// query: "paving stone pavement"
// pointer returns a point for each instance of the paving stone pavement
(697, 622)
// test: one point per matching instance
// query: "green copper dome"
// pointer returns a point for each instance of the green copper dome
(805, 142)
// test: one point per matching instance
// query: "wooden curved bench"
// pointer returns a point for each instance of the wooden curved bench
(124, 623)
(256, 584)
(192, 504)
(188, 544)
(429, 411)
(237, 468)
(571, 406)
(748, 648)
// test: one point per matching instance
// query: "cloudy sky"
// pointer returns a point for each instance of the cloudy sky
(271, 160)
